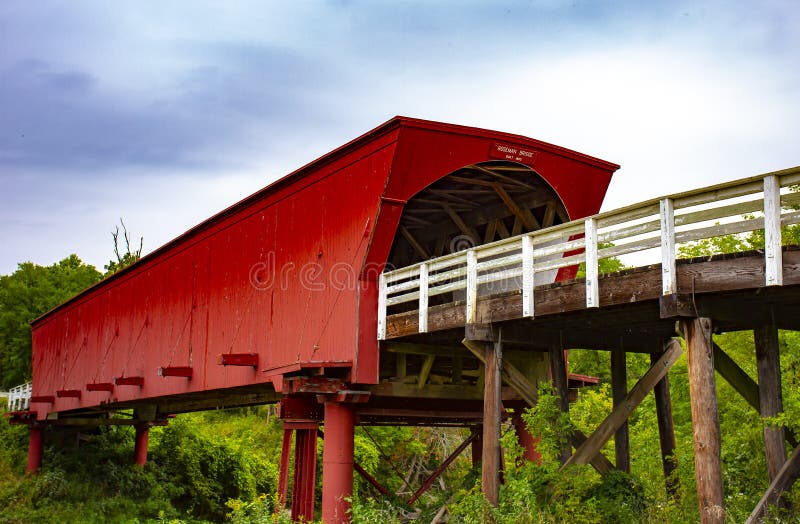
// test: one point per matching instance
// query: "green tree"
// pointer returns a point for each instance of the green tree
(26, 294)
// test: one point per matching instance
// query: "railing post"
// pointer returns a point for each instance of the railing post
(382, 306)
(472, 286)
(592, 291)
(527, 276)
(773, 255)
(669, 281)
(423, 297)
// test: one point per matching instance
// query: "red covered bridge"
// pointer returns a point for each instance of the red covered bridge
(406, 278)
(276, 298)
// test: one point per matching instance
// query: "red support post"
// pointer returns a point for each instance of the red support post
(35, 449)
(140, 444)
(283, 475)
(526, 440)
(337, 463)
(305, 474)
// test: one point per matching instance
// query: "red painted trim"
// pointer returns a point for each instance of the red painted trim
(175, 371)
(43, 399)
(129, 381)
(100, 386)
(238, 359)
(68, 393)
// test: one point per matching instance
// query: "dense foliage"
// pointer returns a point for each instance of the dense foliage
(24, 295)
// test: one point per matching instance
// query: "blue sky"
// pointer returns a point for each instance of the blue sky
(166, 112)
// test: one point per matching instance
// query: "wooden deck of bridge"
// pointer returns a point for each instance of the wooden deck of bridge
(713, 295)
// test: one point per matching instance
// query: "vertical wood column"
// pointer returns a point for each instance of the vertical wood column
(525, 439)
(35, 449)
(705, 419)
(477, 448)
(283, 473)
(666, 428)
(140, 444)
(558, 373)
(337, 462)
(619, 388)
(771, 400)
(305, 474)
(492, 408)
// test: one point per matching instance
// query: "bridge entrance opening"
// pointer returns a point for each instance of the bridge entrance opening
(477, 204)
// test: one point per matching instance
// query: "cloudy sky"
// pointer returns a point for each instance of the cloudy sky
(166, 112)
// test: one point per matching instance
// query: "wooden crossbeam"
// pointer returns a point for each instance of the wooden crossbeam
(443, 466)
(411, 348)
(621, 413)
(502, 230)
(491, 230)
(462, 226)
(742, 383)
(782, 482)
(736, 377)
(419, 248)
(549, 214)
(425, 372)
(452, 196)
(599, 462)
(504, 178)
(522, 213)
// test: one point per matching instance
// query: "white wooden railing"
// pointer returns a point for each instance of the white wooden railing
(656, 226)
(19, 397)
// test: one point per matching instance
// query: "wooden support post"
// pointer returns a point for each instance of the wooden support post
(621, 413)
(619, 389)
(782, 482)
(558, 373)
(773, 254)
(305, 474)
(140, 444)
(401, 365)
(477, 447)
(669, 280)
(423, 298)
(525, 439)
(592, 268)
(35, 449)
(283, 472)
(337, 463)
(705, 419)
(666, 429)
(425, 371)
(492, 411)
(771, 400)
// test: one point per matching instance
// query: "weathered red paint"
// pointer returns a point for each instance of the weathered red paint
(35, 449)
(288, 274)
(527, 441)
(337, 462)
(238, 359)
(140, 444)
(305, 474)
(100, 386)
